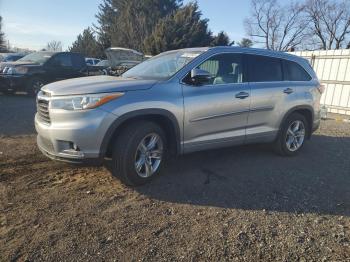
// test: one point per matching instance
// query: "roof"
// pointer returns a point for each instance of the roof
(259, 51)
(124, 49)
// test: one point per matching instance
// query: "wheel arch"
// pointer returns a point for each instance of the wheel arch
(305, 110)
(162, 117)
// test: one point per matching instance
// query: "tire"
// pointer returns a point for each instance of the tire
(34, 86)
(128, 153)
(8, 92)
(288, 144)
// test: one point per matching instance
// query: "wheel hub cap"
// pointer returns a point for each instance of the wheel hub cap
(295, 135)
(148, 155)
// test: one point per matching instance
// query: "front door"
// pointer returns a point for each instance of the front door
(216, 112)
(61, 67)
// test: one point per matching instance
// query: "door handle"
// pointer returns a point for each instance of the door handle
(288, 91)
(242, 95)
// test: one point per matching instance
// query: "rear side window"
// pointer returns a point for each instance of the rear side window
(63, 59)
(294, 72)
(78, 61)
(264, 69)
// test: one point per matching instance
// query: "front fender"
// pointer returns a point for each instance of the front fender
(136, 114)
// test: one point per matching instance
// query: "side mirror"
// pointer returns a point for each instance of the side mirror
(200, 76)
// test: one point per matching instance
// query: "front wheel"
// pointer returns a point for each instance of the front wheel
(292, 135)
(34, 86)
(8, 92)
(138, 153)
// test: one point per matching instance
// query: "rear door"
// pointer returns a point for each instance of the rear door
(61, 67)
(216, 113)
(268, 97)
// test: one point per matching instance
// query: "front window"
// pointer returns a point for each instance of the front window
(224, 69)
(163, 66)
(37, 57)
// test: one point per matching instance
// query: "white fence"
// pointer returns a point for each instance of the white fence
(333, 70)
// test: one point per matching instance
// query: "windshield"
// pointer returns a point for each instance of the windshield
(163, 66)
(12, 58)
(38, 57)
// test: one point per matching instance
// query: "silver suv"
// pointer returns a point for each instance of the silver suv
(179, 102)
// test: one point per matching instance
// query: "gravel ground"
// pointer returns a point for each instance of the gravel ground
(236, 204)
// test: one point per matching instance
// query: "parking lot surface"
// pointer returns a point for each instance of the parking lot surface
(236, 204)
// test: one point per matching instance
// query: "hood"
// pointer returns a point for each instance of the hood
(96, 84)
(16, 63)
(118, 56)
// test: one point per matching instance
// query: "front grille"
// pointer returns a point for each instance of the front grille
(42, 106)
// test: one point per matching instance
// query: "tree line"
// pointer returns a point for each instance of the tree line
(149, 26)
(155, 26)
(2, 38)
(307, 24)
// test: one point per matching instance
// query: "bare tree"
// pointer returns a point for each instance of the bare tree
(54, 46)
(2, 38)
(329, 22)
(245, 42)
(277, 27)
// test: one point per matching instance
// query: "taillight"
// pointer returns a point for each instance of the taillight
(321, 88)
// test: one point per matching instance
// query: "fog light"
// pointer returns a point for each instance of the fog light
(74, 146)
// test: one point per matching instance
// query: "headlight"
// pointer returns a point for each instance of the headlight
(21, 70)
(15, 70)
(83, 102)
(10, 71)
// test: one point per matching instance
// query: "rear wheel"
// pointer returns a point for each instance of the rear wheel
(292, 135)
(8, 92)
(138, 153)
(34, 86)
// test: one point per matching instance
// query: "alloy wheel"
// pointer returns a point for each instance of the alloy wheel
(295, 135)
(148, 155)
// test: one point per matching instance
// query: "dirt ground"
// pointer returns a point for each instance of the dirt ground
(236, 204)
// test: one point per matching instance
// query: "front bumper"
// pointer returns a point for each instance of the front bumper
(13, 82)
(316, 125)
(76, 138)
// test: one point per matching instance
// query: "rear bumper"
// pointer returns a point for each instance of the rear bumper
(13, 82)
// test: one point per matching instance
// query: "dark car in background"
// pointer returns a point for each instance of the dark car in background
(10, 57)
(32, 71)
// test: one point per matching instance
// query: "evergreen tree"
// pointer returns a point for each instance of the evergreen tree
(2, 38)
(86, 44)
(221, 39)
(182, 29)
(126, 23)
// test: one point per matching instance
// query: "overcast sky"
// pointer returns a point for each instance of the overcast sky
(33, 23)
